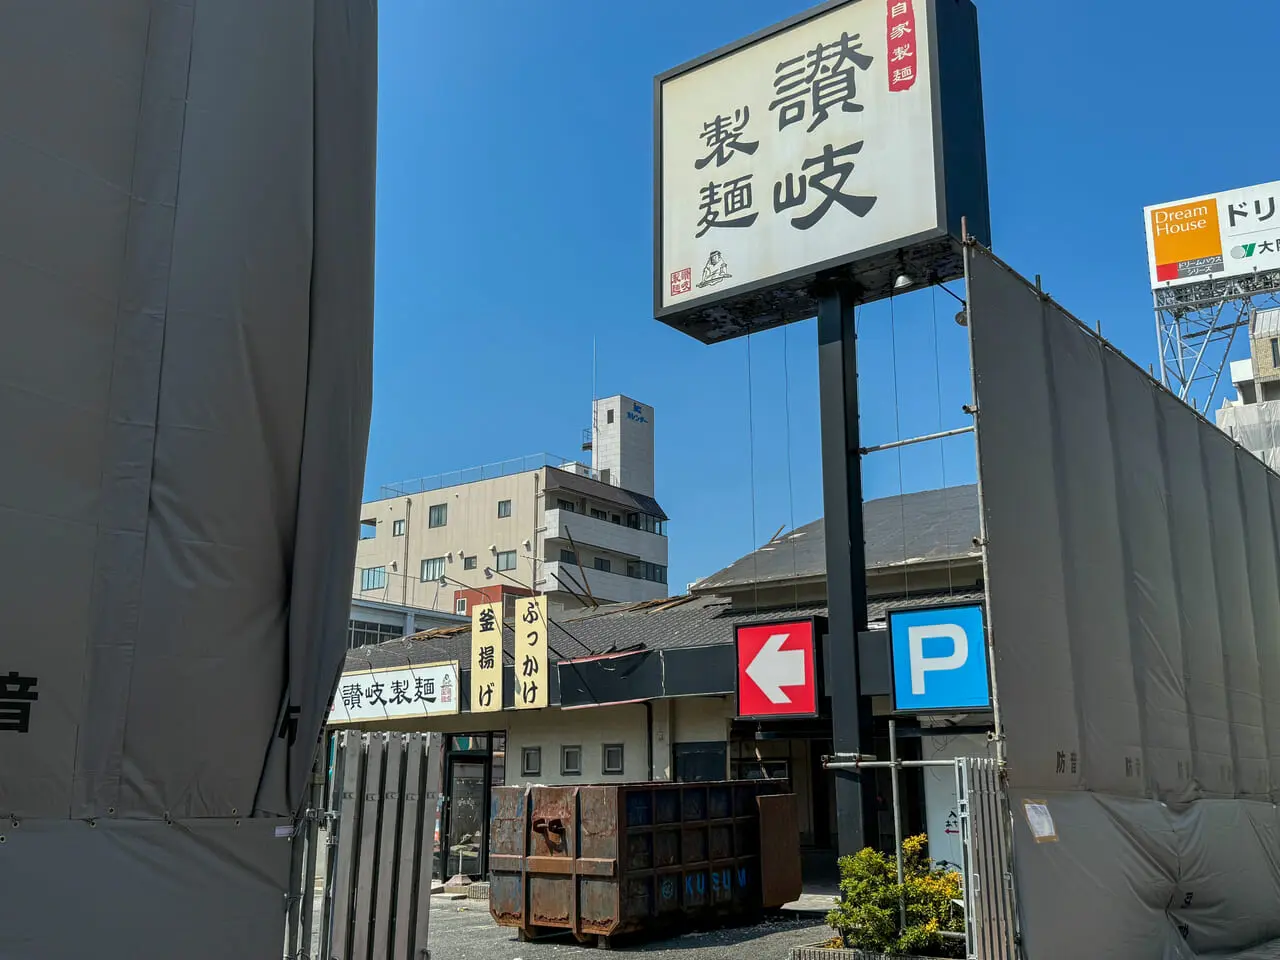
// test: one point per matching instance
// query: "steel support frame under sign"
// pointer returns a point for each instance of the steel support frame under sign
(1196, 328)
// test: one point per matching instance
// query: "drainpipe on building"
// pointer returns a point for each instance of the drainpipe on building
(537, 520)
(404, 574)
(648, 717)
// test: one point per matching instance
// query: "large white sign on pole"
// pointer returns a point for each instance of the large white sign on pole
(824, 143)
(1219, 235)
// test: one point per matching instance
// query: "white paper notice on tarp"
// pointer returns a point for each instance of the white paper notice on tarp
(1040, 821)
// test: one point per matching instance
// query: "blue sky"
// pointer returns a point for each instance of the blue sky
(515, 225)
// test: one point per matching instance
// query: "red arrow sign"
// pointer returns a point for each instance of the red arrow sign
(776, 673)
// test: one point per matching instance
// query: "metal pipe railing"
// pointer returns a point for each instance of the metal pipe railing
(829, 764)
(895, 444)
(897, 822)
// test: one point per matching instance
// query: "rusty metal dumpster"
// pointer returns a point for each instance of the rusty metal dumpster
(603, 861)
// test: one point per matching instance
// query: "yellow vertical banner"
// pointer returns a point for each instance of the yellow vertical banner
(531, 653)
(486, 657)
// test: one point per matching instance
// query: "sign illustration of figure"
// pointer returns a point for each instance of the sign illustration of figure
(715, 271)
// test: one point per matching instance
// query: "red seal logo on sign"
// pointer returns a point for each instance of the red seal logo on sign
(681, 281)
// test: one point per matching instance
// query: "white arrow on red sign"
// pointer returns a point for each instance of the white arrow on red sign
(774, 668)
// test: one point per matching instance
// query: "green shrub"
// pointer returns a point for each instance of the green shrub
(866, 915)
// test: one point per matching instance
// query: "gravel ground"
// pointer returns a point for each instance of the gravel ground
(463, 930)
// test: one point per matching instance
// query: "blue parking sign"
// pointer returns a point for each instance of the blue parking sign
(939, 659)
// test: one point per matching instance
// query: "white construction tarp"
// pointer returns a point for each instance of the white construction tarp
(1256, 426)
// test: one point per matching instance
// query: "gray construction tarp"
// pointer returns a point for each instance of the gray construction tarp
(186, 299)
(1135, 620)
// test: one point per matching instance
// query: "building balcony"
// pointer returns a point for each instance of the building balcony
(612, 587)
(605, 535)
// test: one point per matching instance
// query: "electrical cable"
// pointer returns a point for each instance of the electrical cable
(791, 497)
(897, 420)
(751, 435)
(942, 444)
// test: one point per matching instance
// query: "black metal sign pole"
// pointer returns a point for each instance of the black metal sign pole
(846, 557)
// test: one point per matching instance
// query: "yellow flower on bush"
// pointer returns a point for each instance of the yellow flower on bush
(867, 914)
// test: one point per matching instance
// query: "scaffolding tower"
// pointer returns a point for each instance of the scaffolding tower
(1196, 326)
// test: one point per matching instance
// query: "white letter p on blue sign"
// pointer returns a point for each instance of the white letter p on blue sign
(920, 664)
(939, 659)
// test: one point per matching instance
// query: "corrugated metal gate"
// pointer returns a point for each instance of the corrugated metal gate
(378, 884)
(991, 925)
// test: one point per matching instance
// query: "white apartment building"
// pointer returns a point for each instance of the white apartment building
(582, 534)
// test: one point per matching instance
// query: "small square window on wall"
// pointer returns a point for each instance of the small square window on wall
(603, 564)
(612, 760)
(373, 578)
(468, 563)
(438, 515)
(568, 556)
(609, 417)
(531, 762)
(461, 605)
(504, 509)
(397, 528)
(566, 505)
(571, 761)
(507, 560)
(432, 569)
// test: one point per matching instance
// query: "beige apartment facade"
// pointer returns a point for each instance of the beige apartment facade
(538, 524)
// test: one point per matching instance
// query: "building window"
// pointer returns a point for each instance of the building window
(508, 606)
(616, 519)
(604, 475)
(566, 505)
(642, 521)
(432, 569)
(460, 606)
(643, 570)
(364, 633)
(438, 515)
(397, 528)
(531, 762)
(753, 769)
(368, 529)
(373, 578)
(1275, 353)
(507, 560)
(609, 417)
(568, 556)
(598, 514)
(612, 761)
(571, 761)
(603, 564)
(504, 508)
(468, 563)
